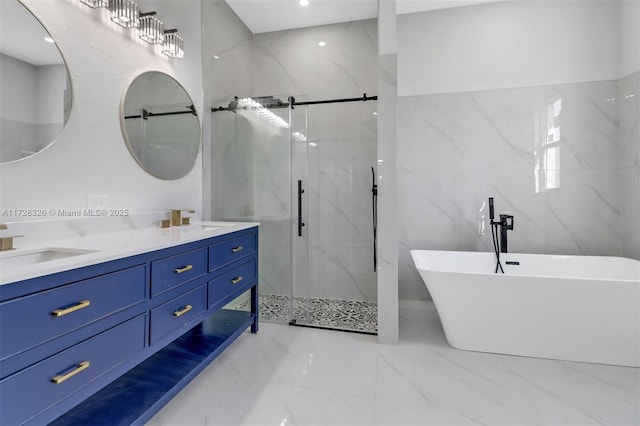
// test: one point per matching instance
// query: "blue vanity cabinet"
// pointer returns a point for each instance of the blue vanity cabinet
(112, 343)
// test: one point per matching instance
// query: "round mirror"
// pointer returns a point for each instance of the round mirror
(34, 82)
(160, 125)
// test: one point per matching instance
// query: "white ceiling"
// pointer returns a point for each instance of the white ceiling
(22, 36)
(274, 15)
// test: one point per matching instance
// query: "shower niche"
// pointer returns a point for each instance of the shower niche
(303, 169)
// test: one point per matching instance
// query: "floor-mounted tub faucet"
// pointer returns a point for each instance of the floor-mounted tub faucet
(506, 224)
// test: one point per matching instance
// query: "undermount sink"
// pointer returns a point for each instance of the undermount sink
(207, 226)
(29, 257)
(216, 225)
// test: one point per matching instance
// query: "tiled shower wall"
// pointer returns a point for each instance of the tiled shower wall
(629, 98)
(339, 230)
(562, 158)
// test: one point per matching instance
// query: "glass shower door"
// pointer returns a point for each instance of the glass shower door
(334, 150)
(250, 160)
(304, 173)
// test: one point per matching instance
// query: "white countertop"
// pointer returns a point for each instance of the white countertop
(111, 246)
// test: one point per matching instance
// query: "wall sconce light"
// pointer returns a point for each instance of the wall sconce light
(96, 3)
(173, 45)
(151, 28)
(125, 13)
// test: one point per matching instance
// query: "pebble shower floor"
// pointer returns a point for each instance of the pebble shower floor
(346, 315)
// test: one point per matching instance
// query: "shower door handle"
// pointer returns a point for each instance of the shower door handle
(374, 213)
(300, 222)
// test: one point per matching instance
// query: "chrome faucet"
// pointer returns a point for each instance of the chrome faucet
(6, 243)
(177, 220)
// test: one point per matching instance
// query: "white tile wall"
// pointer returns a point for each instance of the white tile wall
(629, 101)
(457, 150)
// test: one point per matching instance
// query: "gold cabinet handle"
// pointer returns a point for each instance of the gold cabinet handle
(80, 305)
(62, 377)
(236, 280)
(182, 311)
(185, 269)
(236, 249)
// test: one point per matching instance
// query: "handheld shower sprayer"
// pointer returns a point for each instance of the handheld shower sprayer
(491, 212)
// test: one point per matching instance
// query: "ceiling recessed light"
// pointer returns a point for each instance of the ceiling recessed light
(48, 39)
(322, 44)
(304, 2)
(216, 57)
(375, 113)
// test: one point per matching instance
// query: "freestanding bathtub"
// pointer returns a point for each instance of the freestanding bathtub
(577, 308)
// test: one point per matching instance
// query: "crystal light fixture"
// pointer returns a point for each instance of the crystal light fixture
(173, 45)
(96, 3)
(151, 28)
(125, 13)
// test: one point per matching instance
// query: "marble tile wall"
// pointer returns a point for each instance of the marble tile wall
(71, 223)
(292, 62)
(629, 98)
(225, 36)
(388, 319)
(551, 155)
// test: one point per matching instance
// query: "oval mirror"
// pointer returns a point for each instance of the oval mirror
(160, 125)
(34, 82)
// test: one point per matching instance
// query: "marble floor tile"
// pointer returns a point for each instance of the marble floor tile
(298, 376)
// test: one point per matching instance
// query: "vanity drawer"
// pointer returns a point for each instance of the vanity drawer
(177, 312)
(31, 320)
(225, 285)
(175, 270)
(231, 250)
(34, 389)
